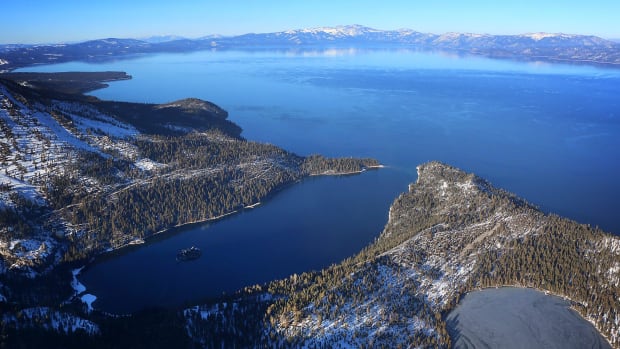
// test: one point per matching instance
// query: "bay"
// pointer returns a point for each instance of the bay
(307, 226)
(547, 132)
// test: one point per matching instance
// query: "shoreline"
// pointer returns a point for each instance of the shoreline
(138, 242)
(328, 173)
(142, 241)
(80, 290)
(546, 293)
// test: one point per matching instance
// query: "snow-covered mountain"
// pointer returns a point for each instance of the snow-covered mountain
(532, 46)
(162, 38)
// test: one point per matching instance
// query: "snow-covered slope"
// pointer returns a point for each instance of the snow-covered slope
(38, 141)
(451, 233)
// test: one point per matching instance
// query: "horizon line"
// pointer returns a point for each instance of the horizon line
(221, 36)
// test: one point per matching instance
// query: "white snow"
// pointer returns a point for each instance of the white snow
(75, 283)
(3, 62)
(61, 133)
(347, 30)
(25, 190)
(540, 36)
(88, 299)
(146, 164)
(614, 274)
(107, 126)
(28, 250)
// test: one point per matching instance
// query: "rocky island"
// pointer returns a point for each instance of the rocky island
(189, 254)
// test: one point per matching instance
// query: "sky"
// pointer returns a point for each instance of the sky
(46, 21)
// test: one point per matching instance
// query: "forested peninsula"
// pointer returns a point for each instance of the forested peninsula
(81, 176)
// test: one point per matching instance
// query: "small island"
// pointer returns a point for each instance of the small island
(189, 254)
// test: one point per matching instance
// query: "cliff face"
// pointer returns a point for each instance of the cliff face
(452, 232)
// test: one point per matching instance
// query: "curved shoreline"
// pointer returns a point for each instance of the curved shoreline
(542, 292)
(164, 233)
(328, 173)
(140, 241)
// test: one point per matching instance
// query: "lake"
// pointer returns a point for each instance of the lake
(549, 133)
(304, 227)
(519, 318)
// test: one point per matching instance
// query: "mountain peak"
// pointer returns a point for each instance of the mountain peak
(341, 30)
(542, 35)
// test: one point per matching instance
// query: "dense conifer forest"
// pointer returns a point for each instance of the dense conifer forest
(450, 234)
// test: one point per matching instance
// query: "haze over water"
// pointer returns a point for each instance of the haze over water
(549, 133)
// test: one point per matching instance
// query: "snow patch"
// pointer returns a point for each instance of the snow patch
(146, 164)
(75, 283)
(88, 299)
(105, 126)
(540, 36)
(61, 133)
(347, 30)
(25, 190)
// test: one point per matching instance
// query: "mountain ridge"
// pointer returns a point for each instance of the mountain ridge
(552, 47)
(450, 233)
(67, 160)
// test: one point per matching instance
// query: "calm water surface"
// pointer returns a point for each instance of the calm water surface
(550, 133)
(307, 226)
(514, 318)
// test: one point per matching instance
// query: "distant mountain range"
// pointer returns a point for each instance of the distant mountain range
(582, 49)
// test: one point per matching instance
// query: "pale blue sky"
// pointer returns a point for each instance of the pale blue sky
(46, 21)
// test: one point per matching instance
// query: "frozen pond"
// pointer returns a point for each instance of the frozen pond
(519, 318)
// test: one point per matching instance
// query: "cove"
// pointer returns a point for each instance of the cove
(306, 226)
(549, 133)
(519, 318)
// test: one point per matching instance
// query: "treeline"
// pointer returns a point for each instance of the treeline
(564, 257)
(108, 201)
(200, 150)
(567, 259)
(200, 176)
(152, 328)
(318, 164)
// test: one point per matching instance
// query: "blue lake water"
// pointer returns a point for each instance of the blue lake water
(549, 133)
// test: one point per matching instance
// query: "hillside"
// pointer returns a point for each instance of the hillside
(80, 176)
(452, 232)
